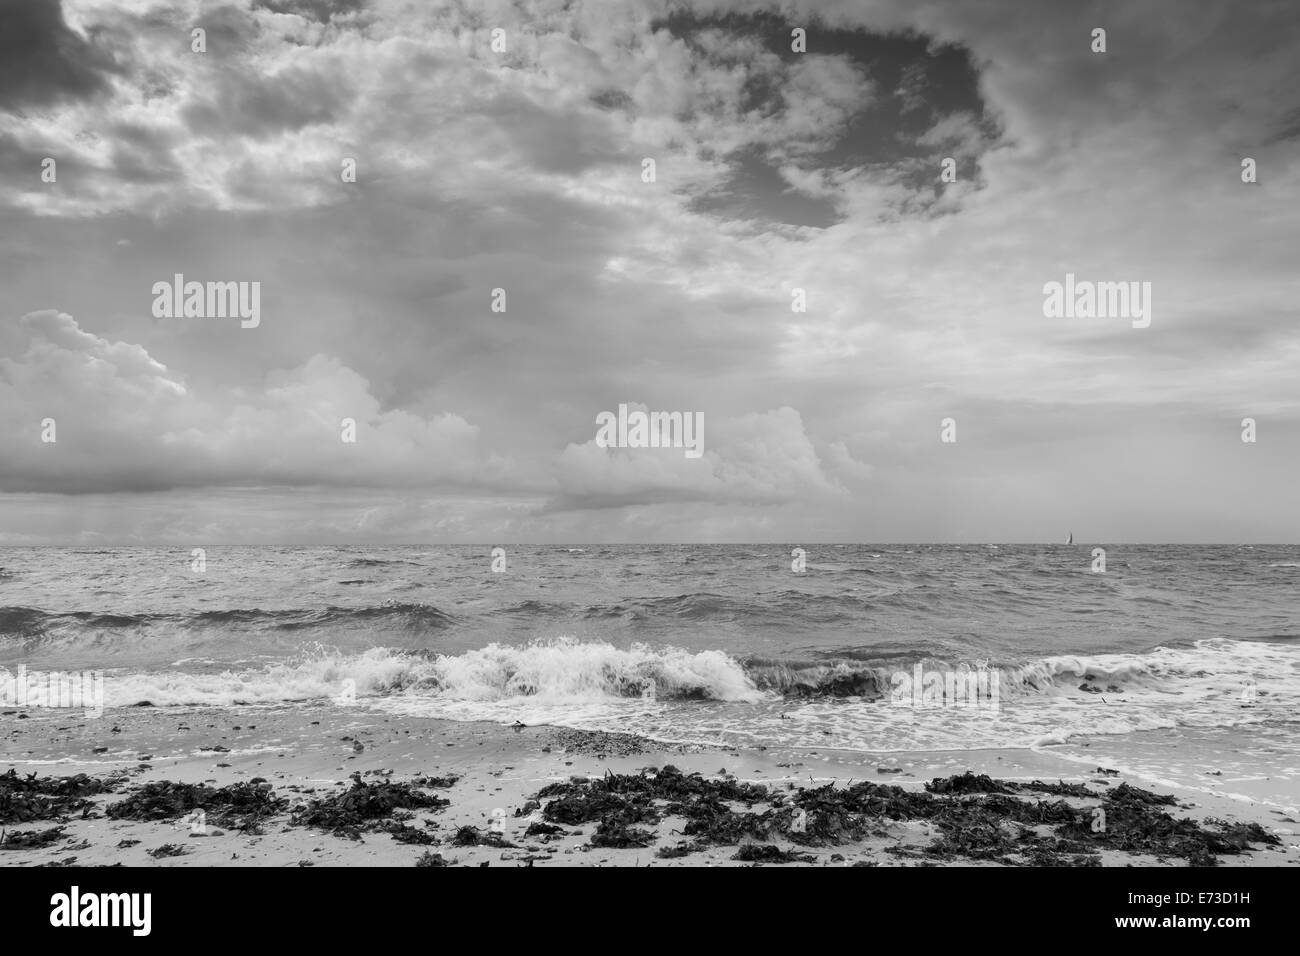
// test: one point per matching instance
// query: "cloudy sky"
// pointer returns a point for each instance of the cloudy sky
(481, 169)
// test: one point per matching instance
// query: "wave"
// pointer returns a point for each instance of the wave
(843, 678)
(411, 615)
(701, 605)
(709, 697)
(772, 609)
(30, 622)
(535, 607)
(1222, 664)
(563, 670)
(568, 669)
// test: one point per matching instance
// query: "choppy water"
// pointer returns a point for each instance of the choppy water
(693, 642)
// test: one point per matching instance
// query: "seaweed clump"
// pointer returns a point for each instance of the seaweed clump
(242, 806)
(626, 799)
(616, 835)
(407, 834)
(364, 806)
(167, 849)
(24, 799)
(30, 839)
(1127, 819)
(1134, 823)
(767, 853)
(971, 816)
(472, 836)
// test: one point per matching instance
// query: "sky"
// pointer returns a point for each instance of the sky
(520, 165)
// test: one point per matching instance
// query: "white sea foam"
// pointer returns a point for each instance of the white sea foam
(707, 696)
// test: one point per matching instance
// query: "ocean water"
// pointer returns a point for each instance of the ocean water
(702, 643)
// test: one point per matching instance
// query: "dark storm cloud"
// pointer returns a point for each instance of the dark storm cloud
(42, 60)
(927, 80)
(921, 83)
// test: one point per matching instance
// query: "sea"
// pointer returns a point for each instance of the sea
(793, 645)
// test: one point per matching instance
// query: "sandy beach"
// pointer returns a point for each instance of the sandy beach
(269, 780)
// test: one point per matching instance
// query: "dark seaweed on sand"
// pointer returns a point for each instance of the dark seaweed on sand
(240, 805)
(440, 783)
(1135, 824)
(467, 836)
(472, 836)
(767, 853)
(619, 836)
(966, 783)
(680, 850)
(167, 849)
(1133, 795)
(982, 783)
(30, 839)
(359, 807)
(576, 808)
(1058, 789)
(27, 798)
(542, 830)
(628, 799)
(972, 817)
(407, 834)
(667, 783)
(978, 828)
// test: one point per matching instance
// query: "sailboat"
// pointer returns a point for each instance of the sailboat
(1070, 540)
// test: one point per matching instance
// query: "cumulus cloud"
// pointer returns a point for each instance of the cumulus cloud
(760, 458)
(123, 421)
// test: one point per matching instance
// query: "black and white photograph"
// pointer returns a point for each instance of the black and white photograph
(650, 433)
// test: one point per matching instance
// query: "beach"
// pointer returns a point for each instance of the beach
(476, 785)
(647, 705)
(649, 433)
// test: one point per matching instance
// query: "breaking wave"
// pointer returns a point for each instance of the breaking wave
(567, 669)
